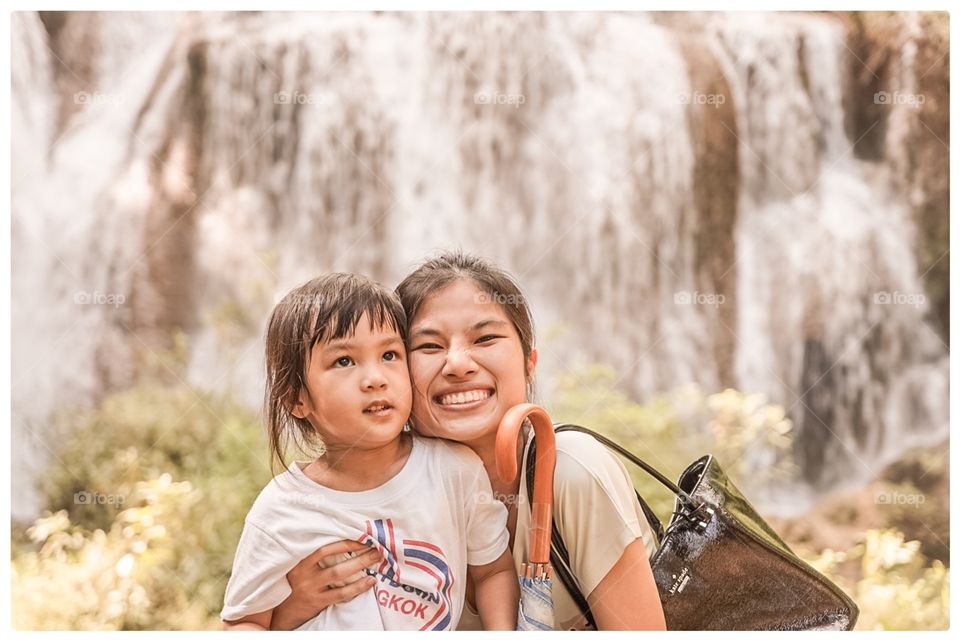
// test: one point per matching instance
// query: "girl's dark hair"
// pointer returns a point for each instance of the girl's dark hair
(324, 309)
(451, 266)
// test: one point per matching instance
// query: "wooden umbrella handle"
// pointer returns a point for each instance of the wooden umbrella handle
(541, 508)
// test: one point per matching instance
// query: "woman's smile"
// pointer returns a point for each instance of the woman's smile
(463, 400)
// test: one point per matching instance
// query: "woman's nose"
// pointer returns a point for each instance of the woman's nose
(459, 363)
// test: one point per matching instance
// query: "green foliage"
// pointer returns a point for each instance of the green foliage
(671, 431)
(895, 586)
(921, 482)
(168, 475)
(137, 575)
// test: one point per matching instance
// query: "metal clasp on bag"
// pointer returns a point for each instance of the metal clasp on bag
(700, 524)
(696, 518)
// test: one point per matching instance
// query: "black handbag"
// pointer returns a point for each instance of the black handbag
(718, 565)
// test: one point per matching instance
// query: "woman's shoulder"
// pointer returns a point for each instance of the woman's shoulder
(577, 451)
(587, 468)
(572, 440)
(592, 483)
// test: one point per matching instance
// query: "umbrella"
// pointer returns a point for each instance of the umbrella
(536, 584)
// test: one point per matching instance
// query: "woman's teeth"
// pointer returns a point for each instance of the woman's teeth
(464, 397)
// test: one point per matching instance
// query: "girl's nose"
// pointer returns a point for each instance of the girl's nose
(459, 363)
(374, 379)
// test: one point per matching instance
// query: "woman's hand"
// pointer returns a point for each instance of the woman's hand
(316, 587)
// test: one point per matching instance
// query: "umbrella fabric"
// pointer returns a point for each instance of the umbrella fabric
(536, 604)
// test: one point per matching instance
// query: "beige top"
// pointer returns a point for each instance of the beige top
(597, 513)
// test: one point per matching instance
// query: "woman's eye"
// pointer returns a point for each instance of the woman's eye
(427, 346)
(488, 338)
(343, 361)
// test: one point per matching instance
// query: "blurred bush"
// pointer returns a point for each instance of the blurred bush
(924, 476)
(147, 497)
(135, 576)
(742, 431)
(895, 586)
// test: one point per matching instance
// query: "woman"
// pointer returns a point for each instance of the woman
(472, 358)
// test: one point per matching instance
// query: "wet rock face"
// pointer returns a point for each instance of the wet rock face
(896, 90)
(716, 181)
(74, 41)
(932, 165)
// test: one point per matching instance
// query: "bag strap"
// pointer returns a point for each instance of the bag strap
(687, 510)
(688, 501)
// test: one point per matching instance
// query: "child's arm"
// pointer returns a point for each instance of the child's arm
(258, 621)
(497, 592)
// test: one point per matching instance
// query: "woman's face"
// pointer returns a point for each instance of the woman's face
(466, 364)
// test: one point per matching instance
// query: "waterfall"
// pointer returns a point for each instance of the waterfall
(679, 194)
(831, 305)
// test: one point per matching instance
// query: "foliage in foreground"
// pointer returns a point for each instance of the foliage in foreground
(188, 466)
(146, 503)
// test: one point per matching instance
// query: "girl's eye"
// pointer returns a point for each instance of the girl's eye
(343, 361)
(391, 356)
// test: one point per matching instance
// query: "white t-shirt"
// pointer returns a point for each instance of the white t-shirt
(597, 513)
(431, 520)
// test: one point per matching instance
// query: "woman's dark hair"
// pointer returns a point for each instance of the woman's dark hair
(449, 267)
(326, 308)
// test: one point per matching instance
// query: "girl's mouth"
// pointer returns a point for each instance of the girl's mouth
(378, 409)
(463, 400)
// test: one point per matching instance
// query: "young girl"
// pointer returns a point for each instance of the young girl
(472, 358)
(337, 383)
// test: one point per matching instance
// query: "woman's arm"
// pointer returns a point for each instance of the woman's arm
(627, 597)
(605, 531)
(497, 592)
(310, 583)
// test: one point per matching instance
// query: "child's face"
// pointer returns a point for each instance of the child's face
(358, 389)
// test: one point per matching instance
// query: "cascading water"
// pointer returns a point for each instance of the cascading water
(678, 191)
(831, 323)
(73, 220)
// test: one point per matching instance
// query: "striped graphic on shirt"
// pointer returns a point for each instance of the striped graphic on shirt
(430, 559)
(422, 555)
(380, 534)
